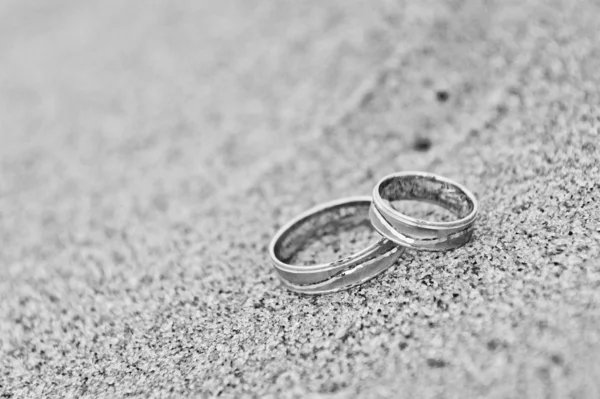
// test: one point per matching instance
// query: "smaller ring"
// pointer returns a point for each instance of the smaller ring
(332, 276)
(417, 233)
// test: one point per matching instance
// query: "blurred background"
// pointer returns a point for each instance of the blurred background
(149, 150)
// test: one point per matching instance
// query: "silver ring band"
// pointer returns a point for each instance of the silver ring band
(336, 275)
(417, 233)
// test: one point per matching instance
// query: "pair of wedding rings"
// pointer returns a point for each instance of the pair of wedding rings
(398, 231)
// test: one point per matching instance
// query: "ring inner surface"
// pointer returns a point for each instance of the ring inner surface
(322, 237)
(427, 189)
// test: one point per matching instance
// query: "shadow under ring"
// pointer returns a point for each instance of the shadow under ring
(417, 233)
(336, 275)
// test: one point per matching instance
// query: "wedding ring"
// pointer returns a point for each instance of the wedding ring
(336, 275)
(417, 233)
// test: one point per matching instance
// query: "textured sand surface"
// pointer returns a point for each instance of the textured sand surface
(148, 151)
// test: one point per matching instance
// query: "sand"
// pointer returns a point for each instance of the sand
(149, 152)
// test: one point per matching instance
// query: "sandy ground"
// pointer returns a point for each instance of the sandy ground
(148, 152)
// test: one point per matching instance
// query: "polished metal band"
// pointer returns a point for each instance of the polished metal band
(423, 234)
(336, 275)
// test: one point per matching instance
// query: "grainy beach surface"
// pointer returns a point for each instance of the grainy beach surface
(149, 151)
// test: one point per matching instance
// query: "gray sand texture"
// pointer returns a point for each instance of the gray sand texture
(149, 151)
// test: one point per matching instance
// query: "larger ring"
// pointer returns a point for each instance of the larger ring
(417, 233)
(339, 274)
